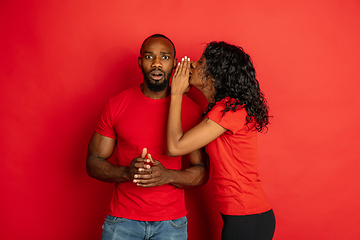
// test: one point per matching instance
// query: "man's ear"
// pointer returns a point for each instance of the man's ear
(139, 62)
(175, 63)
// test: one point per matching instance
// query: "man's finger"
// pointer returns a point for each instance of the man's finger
(142, 164)
(143, 153)
(152, 161)
(143, 177)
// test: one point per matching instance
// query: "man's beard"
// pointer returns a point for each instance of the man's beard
(157, 87)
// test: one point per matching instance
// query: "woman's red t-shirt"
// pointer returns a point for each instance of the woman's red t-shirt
(234, 162)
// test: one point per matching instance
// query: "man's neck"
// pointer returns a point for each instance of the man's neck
(154, 95)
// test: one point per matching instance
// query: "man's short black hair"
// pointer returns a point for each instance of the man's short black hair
(158, 35)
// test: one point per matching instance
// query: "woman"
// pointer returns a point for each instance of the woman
(237, 110)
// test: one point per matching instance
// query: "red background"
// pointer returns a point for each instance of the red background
(61, 60)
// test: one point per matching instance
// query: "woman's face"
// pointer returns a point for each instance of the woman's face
(197, 77)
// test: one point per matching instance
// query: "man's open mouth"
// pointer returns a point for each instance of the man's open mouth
(157, 75)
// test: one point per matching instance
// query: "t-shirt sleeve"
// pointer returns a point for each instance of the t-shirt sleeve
(105, 125)
(232, 121)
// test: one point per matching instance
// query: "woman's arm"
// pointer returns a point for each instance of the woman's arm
(180, 143)
(197, 137)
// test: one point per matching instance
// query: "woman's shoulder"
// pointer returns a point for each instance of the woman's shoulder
(228, 104)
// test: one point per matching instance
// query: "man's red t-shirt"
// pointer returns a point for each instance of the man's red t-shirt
(138, 122)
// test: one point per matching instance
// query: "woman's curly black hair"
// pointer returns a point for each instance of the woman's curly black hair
(233, 75)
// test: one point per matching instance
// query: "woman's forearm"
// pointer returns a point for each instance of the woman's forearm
(174, 129)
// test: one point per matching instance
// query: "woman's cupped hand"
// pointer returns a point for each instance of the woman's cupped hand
(180, 80)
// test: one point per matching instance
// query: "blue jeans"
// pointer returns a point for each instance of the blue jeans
(115, 228)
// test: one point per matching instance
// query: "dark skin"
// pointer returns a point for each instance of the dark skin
(144, 170)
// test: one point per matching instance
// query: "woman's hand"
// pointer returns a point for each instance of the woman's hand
(180, 80)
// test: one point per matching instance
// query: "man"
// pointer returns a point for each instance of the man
(148, 200)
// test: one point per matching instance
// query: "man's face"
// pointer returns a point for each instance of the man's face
(157, 63)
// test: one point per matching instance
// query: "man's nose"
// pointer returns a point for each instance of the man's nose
(156, 62)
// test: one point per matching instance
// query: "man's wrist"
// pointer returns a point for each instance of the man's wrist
(126, 173)
(170, 176)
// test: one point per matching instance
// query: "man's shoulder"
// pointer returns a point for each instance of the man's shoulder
(127, 93)
(190, 103)
(190, 108)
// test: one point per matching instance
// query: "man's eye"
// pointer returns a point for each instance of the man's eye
(148, 57)
(166, 57)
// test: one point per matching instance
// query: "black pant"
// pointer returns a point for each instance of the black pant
(249, 227)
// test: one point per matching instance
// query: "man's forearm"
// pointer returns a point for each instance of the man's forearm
(103, 170)
(193, 176)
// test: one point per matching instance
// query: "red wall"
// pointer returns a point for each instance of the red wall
(61, 60)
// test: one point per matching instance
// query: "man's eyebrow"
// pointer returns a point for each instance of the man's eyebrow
(163, 52)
